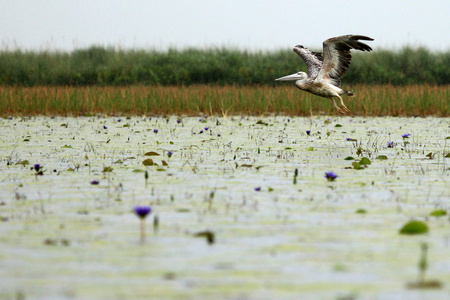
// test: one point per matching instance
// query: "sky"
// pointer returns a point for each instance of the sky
(252, 25)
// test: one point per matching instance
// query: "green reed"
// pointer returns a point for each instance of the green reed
(284, 99)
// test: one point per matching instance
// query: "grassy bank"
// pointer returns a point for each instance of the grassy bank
(110, 66)
(284, 99)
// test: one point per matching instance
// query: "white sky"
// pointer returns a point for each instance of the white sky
(246, 24)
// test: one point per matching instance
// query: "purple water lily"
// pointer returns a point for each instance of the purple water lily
(142, 211)
(330, 176)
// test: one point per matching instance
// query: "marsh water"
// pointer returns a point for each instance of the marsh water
(68, 230)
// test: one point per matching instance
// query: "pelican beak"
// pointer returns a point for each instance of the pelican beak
(292, 77)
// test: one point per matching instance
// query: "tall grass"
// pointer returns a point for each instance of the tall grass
(285, 99)
(221, 66)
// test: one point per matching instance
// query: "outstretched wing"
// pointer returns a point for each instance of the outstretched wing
(313, 60)
(337, 57)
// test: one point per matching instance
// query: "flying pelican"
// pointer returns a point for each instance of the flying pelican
(324, 72)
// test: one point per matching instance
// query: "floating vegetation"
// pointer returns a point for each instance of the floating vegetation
(148, 162)
(142, 212)
(151, 153)
(438, 213)
(382, 157)
(208, 185)
(414, 227)
(330, 176)
(365, 161)
(208, 235)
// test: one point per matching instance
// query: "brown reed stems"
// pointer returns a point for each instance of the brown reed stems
(378, 100)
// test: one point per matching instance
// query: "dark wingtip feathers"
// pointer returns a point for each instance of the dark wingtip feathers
(361, 46)
(362, 37)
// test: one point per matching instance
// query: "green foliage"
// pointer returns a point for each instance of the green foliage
(414, 227)
(438, 213)
(109, 66)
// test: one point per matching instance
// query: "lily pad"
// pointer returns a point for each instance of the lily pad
(382, 157)
(414, 227)
(152, 153)
(438, 213)
(365, 161)
(357, 166)
(148, 162)
(23, 162)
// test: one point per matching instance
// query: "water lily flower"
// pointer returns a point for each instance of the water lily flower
(155, 130)
(206, 128)
(169, 154)
(406, 135)
(258, 188)
(308, 132)
(39, 169)
(95, 182)
(178, 121)
(390, 145)
(201, 131)
(104, 127)
(142, 212)
(330, 176)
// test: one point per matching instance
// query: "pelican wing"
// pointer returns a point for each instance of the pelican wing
(313, 60)
(337, 57)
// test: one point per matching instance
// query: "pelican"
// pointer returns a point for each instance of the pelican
(324, 72)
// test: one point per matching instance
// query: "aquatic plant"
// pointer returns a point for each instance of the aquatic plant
(38, 169)
(414, 227)
(391, 145)
(420, 100)
(208, 235)
(142, 212)
(330, 176)
(406, 135)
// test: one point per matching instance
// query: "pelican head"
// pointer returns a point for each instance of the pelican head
(293, 77)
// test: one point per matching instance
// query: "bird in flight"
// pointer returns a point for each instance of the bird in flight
(325, 70)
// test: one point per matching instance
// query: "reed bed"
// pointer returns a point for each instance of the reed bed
(370, 100)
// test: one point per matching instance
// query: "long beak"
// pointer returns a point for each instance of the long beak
(292, 77)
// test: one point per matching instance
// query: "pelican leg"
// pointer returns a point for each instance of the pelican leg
(343, 105)
(337, 107)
